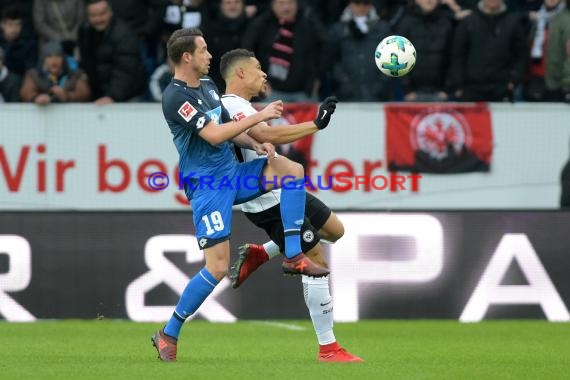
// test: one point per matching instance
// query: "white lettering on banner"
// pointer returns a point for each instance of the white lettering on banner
(539, 290)
(164, 271)
(349, 271)
(17, 278)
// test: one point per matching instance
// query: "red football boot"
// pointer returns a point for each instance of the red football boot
(333, 353)
(165, 346)
(301, 264)
(250, 257)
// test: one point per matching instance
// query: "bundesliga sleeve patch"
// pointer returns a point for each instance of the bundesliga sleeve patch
(187, 111)
(238, 116)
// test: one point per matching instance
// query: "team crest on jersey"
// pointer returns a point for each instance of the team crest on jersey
(214, 94)
(308, 236)
(238, 116)
(215, 114)
(187, 111)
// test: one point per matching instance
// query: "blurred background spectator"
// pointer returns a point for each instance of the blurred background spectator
(535, 86)
(354, 73)
(558, 56)
(145, 18)
(25, 7)
(20, 50)
(59, 20)
(9, 83)
(110, 55)
(56, 79)
(224, 32)
(288, 40)
(432, 33)
(489, 54)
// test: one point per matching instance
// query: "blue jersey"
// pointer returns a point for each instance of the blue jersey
(187, 110)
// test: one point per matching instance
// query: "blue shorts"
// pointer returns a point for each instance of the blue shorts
(212, 202)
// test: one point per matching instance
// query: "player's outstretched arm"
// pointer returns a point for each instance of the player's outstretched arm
(216, 134)
(283, 134)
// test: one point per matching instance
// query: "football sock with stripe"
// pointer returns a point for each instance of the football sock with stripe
(292, 215)
(195, 293)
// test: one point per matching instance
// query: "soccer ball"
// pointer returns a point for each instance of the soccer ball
(395, 56)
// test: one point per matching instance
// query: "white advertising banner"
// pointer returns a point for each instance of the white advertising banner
(86, 157)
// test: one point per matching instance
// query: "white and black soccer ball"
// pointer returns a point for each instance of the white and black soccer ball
(395, 56)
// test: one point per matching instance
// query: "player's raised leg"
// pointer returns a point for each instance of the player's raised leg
(289, 176)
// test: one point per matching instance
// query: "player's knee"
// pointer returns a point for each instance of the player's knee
(296, 169)
(338, 233)
(219, 272)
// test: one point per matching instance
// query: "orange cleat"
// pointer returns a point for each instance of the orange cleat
(251, 257)
(301, 264)
(333, 353)
(165, 346)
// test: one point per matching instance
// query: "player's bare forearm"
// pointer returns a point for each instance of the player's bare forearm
(243, 140)
(217, 134)
(282, 134)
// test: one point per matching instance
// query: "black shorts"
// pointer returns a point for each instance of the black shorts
(316, 215)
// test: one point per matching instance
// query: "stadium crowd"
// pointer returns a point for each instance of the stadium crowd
(114, 50)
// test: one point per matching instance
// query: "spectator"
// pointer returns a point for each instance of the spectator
(59, 20)
(432, 32)
(288, 40)
(535, 87)
(145, 18)
(9, 83)
(20, 50)
(25, 8)
(110, 55)
(351, 43)
(54, 81)
(182, 14)
(558, 56)
(488, 54)
(224, 33)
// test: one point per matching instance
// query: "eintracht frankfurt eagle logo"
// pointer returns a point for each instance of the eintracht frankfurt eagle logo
(435, 132)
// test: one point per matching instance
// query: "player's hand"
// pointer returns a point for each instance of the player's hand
(265, 148)
(273, 110)
(326, 109)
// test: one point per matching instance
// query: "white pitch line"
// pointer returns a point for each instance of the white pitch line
(280, 325)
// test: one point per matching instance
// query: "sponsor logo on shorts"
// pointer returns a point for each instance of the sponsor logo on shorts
(202, 242)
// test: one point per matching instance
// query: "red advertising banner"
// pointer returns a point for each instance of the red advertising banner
(439, 138)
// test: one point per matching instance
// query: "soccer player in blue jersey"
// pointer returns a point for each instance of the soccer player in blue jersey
(213, 179)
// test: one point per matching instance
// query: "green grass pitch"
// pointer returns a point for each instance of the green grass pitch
(266, 350)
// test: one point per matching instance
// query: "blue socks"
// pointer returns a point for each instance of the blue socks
(293, 214)
(196, 292)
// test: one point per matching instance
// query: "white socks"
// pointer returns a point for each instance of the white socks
(271, 249)
(320, 305)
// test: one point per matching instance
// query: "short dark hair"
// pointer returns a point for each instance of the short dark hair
(89, 2)
(181, 41)
(12, 12)
(232, 56)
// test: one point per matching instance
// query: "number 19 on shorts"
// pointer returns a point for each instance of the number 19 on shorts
(213, 220)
